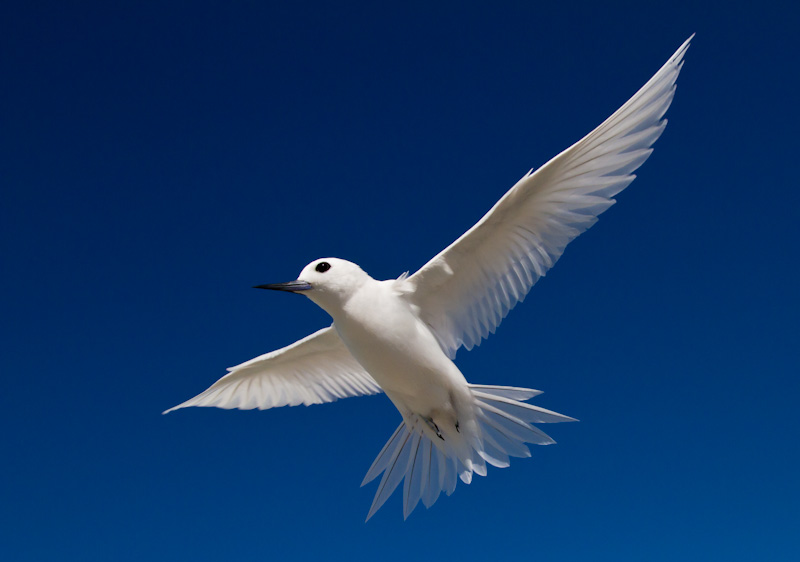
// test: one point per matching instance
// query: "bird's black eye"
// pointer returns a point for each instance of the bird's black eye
(323, 266)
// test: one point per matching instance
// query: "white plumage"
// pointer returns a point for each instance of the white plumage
(313, 370)
(400, 336)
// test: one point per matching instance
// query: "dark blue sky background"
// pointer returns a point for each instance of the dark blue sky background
(158, 159)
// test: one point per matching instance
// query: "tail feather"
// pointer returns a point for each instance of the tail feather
(497, 435)
(396, 468)
(450, 465)
(414, 480)
(512, 426)
(382, 460)
(527, 412)
(493, 453)
(513, 392)
(430, 474)
(430, 465)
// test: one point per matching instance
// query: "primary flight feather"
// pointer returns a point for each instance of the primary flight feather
(400, 336)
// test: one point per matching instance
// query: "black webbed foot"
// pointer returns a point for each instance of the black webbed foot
(434, 427)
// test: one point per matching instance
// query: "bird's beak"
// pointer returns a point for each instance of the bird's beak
(291, 286)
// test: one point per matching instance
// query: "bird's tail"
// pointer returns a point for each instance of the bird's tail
(430, 461)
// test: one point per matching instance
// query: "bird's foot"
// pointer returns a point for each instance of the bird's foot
(434, 427)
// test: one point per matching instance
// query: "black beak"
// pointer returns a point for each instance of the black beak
(291, 286)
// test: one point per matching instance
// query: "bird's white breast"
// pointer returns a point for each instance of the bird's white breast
(384, 334)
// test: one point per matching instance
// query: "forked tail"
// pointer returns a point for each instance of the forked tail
(430, 464)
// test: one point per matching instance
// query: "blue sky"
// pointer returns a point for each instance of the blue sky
(160, 159)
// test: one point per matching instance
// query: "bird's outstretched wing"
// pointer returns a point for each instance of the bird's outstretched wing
(313, 370)
(466, 290)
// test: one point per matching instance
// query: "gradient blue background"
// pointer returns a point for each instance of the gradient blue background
(159, 159)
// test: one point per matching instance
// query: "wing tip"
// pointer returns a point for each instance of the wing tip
(678, 56)
(186, 404)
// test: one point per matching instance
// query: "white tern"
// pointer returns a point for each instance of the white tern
(400, 336)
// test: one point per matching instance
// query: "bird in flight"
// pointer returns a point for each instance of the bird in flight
(400, 336)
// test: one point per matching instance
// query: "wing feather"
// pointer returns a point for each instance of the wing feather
(467, 289)
(313, 370)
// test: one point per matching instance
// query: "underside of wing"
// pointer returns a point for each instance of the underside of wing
(464, 292)
(313, 370)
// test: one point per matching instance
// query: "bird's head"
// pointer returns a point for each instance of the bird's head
(329, 282)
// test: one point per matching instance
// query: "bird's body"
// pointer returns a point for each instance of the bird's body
(383, 331)
(380, 328)
(400, 336)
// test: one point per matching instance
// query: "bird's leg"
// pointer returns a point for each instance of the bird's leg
(434, 427)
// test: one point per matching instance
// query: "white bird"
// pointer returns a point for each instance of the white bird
(400, 336)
